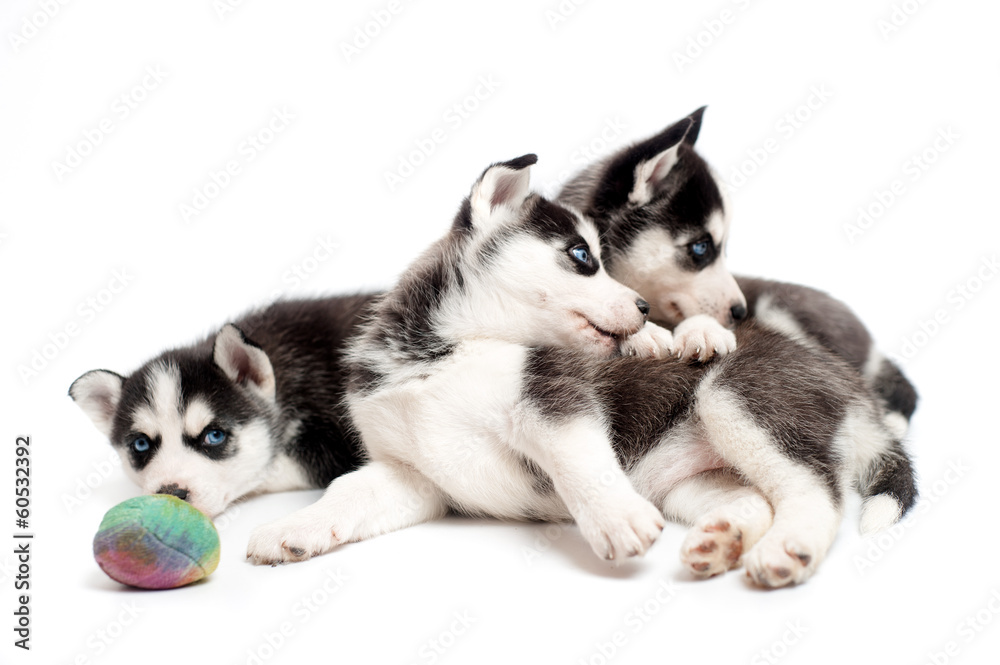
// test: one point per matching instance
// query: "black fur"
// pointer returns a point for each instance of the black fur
(619, 175)
(685, 200)
(798, 395)
(892, 474)
(303, 340)
(832, 323)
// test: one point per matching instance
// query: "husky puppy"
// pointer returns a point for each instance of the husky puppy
(255, 408)
(493, 380)
(664, 220)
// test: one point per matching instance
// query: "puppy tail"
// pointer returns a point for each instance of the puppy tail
(888, 486)
(900, 397)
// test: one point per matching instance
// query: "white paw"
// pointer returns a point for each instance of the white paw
(701, 337)
(776, 562)
(712, 546)
(626, 525)
(290, 539)
(651, 341)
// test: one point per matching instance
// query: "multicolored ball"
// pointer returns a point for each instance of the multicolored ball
(156, 541)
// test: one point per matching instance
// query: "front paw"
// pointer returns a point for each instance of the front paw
(290, 539)
(625, 526)
(701, 337)
(651, 341)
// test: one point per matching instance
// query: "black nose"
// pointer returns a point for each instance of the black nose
(174, 489)
(643, 306)
(739, 311)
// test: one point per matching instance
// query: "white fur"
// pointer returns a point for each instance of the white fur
(211, 485)
(375, 499)
(702, 337)
(727, 517)
(806, 518)
(244, 363)
(896, 423)
(197, 417)
(650, 342)
(778, 319)
(457, 432)
(683, 453)
(541, 302)
(652, 266)
(97, 394)
(649, 174)
(463, 439)
(879, 512)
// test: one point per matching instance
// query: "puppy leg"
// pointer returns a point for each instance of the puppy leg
(577, 454)
(728, 519)
(807, 510)
(651, 341)
(701, 338)
(377, 498)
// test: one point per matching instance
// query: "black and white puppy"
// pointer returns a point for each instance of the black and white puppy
(257, 407)
(490, 381)
(664, 219)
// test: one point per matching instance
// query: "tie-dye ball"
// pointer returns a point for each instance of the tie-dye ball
(156, 541)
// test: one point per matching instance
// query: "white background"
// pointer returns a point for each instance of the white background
(559, 85)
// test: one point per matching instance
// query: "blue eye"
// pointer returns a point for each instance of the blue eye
(580, 254)
(700, 249)
(140, 444)
(214, 437)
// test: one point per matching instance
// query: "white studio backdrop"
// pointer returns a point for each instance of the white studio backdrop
(165, 166)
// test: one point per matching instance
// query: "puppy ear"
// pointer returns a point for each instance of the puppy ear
(634, 173)
(97, 393)
(244, 362)
(695, 128)
(501, 189)
(650, 172)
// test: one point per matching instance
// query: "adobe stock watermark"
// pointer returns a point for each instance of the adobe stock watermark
(32, 24)
(956, 300)
(558, 14)
(123, 105)
(966, 631)
(635, 620)
(608, 137)
(367, 32)
(86, 312)
(786, 127)
(85, 485)
(899, 15)
(8, 570)
(543, 542)
(322, 250)
(434, 648)
(452, 119)
(911, 171)
(247, 151)
(223, 8)
(102, 639)
(301, 611)
(779, 648)
(878, 546)
(710, 31)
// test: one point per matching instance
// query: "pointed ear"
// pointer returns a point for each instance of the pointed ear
(244, 362)
(651, 171)
(502, 188)
(692, 132)
(97, 393)
(632, 175)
